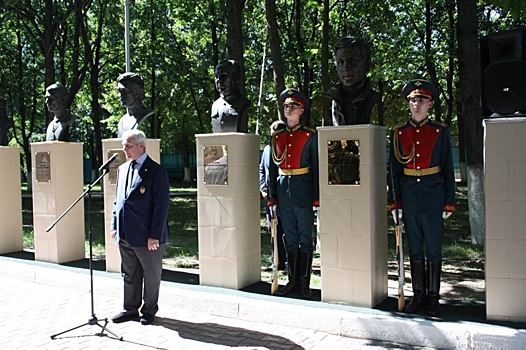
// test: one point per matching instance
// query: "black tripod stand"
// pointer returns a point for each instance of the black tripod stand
(93, 320)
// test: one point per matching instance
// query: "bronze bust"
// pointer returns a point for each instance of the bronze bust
(229, 110)
(58, 128)
(131, 93)
(352, 99)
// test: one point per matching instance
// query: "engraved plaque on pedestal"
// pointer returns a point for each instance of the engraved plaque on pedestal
(215, 165)
(344, 162)
(112, 174)
(42, 165)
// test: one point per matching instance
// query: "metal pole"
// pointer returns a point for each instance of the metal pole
(127, 34)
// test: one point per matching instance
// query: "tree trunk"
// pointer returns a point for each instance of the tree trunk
(461, 145)
(470, 83)
(24, 141)
(450, 6)
(94, 54)
(275, 52)
(187, 175)
(48, 49)
(215, 40)
(155, 122)
(381, 119)
(234, 12)
(430, 59)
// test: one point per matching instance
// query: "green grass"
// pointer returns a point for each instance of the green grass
(181, 249)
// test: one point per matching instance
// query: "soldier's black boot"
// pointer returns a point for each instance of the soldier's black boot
(418, 280)
(292, 261)
(434, 268)
(305, 269)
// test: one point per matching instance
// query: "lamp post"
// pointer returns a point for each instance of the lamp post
(127, 34)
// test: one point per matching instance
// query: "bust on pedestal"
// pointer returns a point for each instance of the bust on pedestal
(131, 92)
(229, 111)
(58, 128)
(352, 99)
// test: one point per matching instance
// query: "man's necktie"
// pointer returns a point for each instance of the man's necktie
(129, 179)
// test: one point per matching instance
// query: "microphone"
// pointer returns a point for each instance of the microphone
(106, 165)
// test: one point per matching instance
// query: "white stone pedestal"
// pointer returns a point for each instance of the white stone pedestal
(11, 237)
(109, 147)
(57, 178)
(229, 214)
(353, 221)
(505, 200)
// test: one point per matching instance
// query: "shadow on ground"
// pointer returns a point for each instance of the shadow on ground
(230, 336)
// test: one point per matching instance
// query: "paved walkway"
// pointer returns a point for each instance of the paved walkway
(40, 300)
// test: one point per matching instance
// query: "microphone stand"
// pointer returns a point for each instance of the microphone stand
(93, 320)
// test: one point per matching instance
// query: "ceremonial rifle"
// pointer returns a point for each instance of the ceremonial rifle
(275, 256)
(399, 229)
(273, 236)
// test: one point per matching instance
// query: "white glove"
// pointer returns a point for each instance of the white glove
(400, 214)
(315, 209)
(446, 214)
(273, 211)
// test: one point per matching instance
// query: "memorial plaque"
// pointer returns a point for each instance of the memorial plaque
(112, 174)
(344, 162)
(43, 166)
(215, 161)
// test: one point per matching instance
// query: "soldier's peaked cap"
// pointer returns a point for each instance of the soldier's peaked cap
(421, 88)
(294, 96)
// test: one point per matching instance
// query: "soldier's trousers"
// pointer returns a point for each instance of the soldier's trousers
(298, 223)
(424, 229)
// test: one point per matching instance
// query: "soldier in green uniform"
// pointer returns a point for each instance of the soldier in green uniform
(422, 190)
(296, 192)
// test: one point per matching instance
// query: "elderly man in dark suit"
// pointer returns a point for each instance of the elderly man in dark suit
(140, 226)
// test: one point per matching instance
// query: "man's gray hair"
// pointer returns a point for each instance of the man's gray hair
(138, 136)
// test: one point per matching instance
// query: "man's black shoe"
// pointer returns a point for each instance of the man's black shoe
(125, 316)
(146, 319)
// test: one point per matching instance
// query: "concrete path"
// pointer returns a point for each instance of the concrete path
(40, 300)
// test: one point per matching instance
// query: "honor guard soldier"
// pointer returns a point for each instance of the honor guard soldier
(422, 190)
(294, 164)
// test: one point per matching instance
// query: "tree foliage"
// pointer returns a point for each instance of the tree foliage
(175, 45)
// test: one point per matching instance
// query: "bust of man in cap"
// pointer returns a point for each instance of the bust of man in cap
(58, 128)
(351, 100)
(131, 93)
(5, 123)
(229, 111)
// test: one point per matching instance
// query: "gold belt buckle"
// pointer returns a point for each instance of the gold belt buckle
(418, 172)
